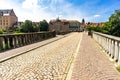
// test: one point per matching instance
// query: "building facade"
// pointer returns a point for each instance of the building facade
(100, 24)
(64, 25)
(59, 25)
(7, 19)
(74, 25)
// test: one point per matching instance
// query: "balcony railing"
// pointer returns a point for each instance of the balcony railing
(9, 41)
(110, 44)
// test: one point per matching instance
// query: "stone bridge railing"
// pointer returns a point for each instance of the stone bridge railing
(110, 44)
(8, 41)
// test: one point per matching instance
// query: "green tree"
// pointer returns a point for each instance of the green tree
(111, 27)
(27, 26)
(114, 21)
(43, 25)
(107, 28)
(1, 31)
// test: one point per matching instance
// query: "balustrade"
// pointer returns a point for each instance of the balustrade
(9, 41)
(110, 44)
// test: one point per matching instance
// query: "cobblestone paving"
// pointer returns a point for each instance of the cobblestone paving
(45, 63)
(92, 64)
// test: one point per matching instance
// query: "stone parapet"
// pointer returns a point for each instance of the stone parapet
(110, 44)
(9, 41)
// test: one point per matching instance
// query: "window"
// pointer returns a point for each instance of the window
(6, 20)
(0, 22)
(6, 17)
(6, 23)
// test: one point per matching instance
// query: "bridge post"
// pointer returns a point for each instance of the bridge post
(11, 42)
(6, 40)
(15, 41)
(116, 51)
(112, 48)
(19, 40)
(107, 46)
(110, 43)
(1, 43)
(119, 56)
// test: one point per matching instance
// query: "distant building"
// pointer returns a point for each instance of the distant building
(64, 25)
(95, 24)
(59, 25)
(74, 25)
(7, 19)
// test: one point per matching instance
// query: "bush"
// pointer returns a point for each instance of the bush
(1, 31)
(118, 68)
(89, 28)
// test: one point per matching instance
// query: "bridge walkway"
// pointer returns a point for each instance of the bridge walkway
(71, 57)
(92, 63)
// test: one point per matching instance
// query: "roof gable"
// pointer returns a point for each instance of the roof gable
(7, 12)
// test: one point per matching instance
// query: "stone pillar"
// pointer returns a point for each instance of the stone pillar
(29, 38)
(119, 55)
(22, 40)
(1, 43)
(110, 46)
(113, 49)
(15, 41)
(11, 41)
(116, 51)
(99, 39)
(19, 41)
(32, 38)
(107, 46)
(26, 39)
(6, 40)
(103, 42)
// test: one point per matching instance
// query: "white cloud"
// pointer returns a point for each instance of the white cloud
(30, 4)
(96, 15)
(37, 10)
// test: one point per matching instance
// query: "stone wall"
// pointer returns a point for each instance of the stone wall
(9, 41)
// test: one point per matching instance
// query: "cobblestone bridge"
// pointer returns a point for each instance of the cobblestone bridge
(71, 57)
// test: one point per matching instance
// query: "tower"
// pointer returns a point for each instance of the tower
(83, 21)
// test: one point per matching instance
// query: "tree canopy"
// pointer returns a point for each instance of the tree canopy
(111, 27)
(43, 25)
(27, 26)
(114, 23)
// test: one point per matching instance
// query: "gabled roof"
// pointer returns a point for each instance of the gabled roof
(6, 11)
(73, 21)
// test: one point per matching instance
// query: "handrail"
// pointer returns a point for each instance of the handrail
(111, 44)
(9, 41)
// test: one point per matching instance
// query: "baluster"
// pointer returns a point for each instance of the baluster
(1, 43)
(116, 51)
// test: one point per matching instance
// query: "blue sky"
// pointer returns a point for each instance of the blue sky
(36, 10)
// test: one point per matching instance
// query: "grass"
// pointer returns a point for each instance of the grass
(118, 68)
